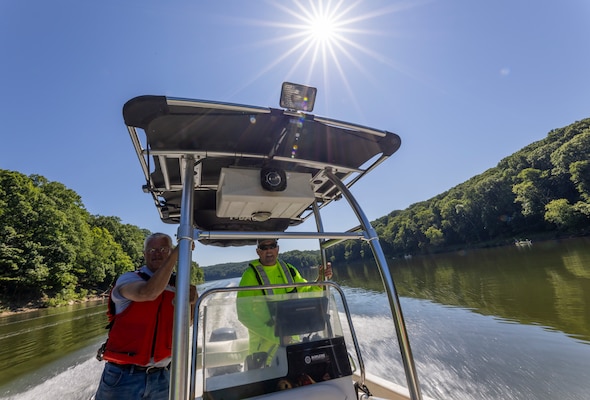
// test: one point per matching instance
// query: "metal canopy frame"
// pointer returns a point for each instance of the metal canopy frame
(182, 172)
(221, 135)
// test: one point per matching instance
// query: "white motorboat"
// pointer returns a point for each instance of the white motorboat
(229, 174)
(523, 243)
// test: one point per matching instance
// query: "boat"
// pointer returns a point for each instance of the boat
(228, 174)
(523, 243)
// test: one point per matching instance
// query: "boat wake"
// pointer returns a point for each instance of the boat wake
(60, 380)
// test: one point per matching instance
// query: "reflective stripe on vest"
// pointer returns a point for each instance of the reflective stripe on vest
(264, 277)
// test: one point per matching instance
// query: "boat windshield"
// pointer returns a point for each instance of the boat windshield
(255, 344)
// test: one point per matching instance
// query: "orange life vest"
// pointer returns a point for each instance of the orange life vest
(142, 331)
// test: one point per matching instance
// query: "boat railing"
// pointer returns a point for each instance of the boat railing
(200, 234)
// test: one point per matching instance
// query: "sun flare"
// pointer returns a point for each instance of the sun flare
(322, 29)
(323, 23)
(325, 40)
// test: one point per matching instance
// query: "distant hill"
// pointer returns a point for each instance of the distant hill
(541, 191)
(303, 260)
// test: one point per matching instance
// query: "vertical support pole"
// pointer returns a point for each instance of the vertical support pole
(398, 319)
(323, 260)
(320, 228)
(179, 388)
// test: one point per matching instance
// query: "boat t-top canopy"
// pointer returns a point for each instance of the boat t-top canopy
(256, 168)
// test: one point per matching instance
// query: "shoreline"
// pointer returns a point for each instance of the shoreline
(23, 307)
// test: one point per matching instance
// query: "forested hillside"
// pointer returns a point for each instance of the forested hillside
(52, 250)
(541, 191)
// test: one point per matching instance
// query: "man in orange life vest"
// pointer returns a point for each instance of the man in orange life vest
(268, 269)
(139, 347)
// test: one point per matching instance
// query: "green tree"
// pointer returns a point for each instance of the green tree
(31, 256)
(197, 274)
(580, 176)
(129, 237)
(576, 149)
(561, 213)
(106, 260)
(532, 191)
(15, 213)
(434, 236)
(49, 250)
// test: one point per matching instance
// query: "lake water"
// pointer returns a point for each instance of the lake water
(503, 323)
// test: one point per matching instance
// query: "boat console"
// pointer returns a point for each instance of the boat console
(310, 344)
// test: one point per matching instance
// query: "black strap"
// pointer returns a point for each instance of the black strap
(256, 274)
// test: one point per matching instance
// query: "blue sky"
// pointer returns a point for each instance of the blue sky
(464, 83)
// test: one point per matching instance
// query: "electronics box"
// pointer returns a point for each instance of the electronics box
(240, 195)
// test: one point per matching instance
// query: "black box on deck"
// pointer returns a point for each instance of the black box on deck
(319, 360)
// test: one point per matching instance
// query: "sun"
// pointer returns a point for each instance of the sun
(323, 41)
(322, 29)
(322, 23)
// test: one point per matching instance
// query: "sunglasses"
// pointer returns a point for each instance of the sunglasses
(268, 246)
(159, 250)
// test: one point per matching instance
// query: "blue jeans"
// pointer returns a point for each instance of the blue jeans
(127, 384)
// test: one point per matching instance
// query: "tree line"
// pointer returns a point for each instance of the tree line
(52, 250)
(541, 191)
(304, 260)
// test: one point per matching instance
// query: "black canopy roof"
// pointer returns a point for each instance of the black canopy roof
(224, 135)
